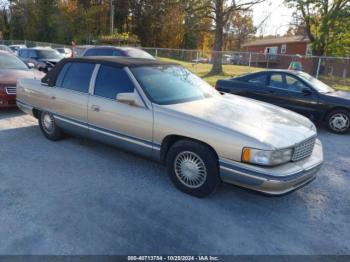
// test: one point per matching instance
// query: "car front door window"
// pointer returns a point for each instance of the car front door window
(295, 85)
(111, 81)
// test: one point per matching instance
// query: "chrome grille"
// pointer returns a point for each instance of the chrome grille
(11, 90)
(304, 149)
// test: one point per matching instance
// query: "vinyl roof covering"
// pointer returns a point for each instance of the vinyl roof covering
(119, 61)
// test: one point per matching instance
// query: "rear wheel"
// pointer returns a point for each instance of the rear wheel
(338, 121)
(48, 126)
(193, 168)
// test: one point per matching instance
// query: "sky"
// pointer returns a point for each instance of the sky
(279, 17)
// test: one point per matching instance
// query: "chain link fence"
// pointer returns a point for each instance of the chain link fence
(335, 71)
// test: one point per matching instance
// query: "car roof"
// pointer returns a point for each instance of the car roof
(37, 48)
(115, 61)
(124, 48)
(271, 71)
(119, 61)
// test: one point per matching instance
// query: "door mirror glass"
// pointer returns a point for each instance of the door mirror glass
(306, 91)
(31, 65)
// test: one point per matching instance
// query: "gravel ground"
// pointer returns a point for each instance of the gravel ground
(80, 197)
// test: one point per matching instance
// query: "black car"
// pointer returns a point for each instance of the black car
(42, 58)
(297, 91)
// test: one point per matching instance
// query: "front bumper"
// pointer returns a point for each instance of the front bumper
(7, 101)
(273, 180)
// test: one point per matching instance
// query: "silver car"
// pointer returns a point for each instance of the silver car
(162, 111)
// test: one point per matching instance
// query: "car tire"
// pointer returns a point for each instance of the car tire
(48, 126)
(193, 168)
(338, 121)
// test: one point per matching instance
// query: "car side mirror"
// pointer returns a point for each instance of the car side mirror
(306, 91)
(31, 65)
(129, 98)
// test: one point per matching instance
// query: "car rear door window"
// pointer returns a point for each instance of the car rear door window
(258, 79)
(277, 81)
(111, 81)
(76, 76)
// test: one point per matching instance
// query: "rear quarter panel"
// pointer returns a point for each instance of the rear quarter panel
(232, 86)
(32, 92)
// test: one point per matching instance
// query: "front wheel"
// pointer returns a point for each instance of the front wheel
(48, 126)
(338, 121)
(193, 168)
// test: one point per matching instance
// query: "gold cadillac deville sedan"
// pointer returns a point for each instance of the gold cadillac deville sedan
(164, 112)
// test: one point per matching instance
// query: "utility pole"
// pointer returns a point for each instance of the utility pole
(111, 20)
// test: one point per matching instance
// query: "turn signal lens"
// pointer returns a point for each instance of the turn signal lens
(246, 154)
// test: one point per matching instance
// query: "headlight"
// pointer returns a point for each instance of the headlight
(266, 158)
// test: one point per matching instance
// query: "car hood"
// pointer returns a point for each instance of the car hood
(10, 76)
(339, 94)
(268, 124)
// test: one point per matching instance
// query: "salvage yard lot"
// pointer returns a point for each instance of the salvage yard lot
(77, 196)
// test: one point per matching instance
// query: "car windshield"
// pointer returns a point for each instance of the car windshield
(171, 84)
(49, 54)
(317, 84)
(11, 62)
(136, 53)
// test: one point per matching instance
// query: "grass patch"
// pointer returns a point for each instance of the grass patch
(234, 70)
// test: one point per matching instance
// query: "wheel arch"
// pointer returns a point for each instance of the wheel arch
(333, 109)
(170, 140)
(36, 113)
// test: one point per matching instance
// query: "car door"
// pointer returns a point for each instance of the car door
(288, 91)
(71, 95)
(255, 86)
(127, 126)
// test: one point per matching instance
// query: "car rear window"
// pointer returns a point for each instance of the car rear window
(111, 81)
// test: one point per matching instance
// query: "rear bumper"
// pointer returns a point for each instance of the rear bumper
(7, 101)
(274, 180)
(25, 107)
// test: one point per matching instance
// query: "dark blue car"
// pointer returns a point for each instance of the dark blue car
(297, 91)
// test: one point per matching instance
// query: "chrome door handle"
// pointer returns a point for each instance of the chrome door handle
(95, 108)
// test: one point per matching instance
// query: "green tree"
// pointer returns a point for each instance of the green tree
(326, 23)
(221, 11)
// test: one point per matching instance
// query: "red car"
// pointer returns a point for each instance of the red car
(12, 68)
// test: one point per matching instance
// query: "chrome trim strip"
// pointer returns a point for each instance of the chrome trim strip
(111, 133)
(242, 173)
(258, 175)
(70, 122)
(93, 79)
(121, 137)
